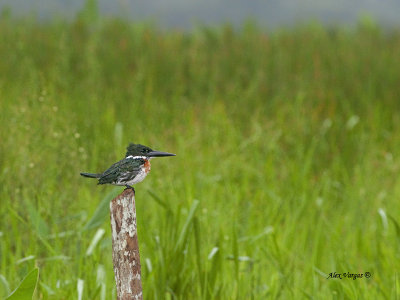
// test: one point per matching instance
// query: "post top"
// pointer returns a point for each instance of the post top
(127, 193)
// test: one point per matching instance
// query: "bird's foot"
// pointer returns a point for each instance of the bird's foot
(130, 187)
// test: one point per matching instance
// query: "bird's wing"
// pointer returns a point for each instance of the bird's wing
(124, 170)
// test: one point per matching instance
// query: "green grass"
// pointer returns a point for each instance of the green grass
(287, 166)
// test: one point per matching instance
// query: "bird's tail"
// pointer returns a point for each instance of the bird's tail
(90, 175)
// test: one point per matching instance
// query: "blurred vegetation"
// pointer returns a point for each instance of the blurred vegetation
(288, 154)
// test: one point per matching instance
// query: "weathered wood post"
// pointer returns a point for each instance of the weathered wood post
(125, 246)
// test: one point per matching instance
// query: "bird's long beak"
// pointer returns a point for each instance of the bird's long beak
(159, 154)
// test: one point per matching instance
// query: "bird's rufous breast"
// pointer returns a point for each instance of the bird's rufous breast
(147, 166)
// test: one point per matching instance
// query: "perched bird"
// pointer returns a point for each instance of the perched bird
(130, 170)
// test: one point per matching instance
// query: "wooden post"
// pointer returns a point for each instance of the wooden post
(125, 247)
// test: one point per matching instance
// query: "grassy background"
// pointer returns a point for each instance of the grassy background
(288, 154)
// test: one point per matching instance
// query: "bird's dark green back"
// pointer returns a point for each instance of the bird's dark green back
(120, 169)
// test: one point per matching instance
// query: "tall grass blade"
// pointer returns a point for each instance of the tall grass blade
(235, 252)
(22, 260)
(102, 211)
(199, 260)
(189, 219)
(36, 220)
(216, 266)
(159, 201)
(396, 226)
(99, 234)
(101, 281)
(79, 287)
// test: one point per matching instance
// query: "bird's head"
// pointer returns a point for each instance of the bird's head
(141, 150)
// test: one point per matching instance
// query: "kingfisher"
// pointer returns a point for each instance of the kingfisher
(131, 169)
